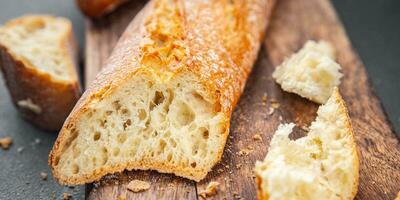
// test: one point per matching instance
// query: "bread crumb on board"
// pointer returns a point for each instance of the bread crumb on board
(257, 137)
(43, 175)
(66, 196)
(138, 186)
(210, 190)
(5, 142)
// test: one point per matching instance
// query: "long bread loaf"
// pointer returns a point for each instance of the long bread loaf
(165, 98)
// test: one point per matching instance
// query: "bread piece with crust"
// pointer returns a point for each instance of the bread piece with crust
(98, 8)
(311, 72)
(322, 165)
(165, 98)
(37, 58)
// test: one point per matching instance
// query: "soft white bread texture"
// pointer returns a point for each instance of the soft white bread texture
(311, 72)
(164, 100)
(38, 64)
(322, 165)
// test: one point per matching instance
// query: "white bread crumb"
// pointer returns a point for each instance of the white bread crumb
(311, 72)
(321, 165)
(211, 190)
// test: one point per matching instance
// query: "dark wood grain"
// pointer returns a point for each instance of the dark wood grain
(292, 24)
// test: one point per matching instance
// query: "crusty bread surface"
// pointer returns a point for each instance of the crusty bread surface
(165, 97)
(322, 165)
(311, 72)
(37, 58)
(98, 8)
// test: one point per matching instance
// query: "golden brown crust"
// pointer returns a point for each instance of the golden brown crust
(349, 127)
(55, 98)
(218, 51)
(97, 8)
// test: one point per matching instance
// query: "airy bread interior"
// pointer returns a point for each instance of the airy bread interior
(321, 165)
(311, 73)
(39, 41)
(146, 123)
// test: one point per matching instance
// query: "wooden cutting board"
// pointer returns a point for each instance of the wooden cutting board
(293, 22)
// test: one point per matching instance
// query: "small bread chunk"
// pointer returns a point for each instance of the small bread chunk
(138, 186)
(37, 58)
(322, 165)
(311, 73)
(211, 190)
(5, 142)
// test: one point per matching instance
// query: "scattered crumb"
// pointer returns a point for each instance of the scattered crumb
(20, 149)
(211, 190)
(37, 141)
(275, 105)
(305, 128)
(280, 118)
(271, 111)
(43, 175)
(257, 137)
(5, 142)
(264, 99)
(122, 196)
(138, 185)
(245, 151)
(66, 196)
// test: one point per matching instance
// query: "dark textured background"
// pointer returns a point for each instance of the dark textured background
(373, 27)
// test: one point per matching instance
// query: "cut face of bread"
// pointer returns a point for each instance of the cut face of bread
(168, 126)
(311, 73)
(39, 42)
(322, 165)
(38, 61)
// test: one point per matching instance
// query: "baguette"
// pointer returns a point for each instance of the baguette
(37, 58)
(322, 165)
(311, 72)
(98, 8)
(165, 98)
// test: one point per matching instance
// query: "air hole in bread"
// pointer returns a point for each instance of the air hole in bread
(204, 132)
(172, 142)
(116, 105)
(142, 114)
(122, 137)
(104, 155)
(195, 148)
(193, 164)
(185, 114)
(162, 145)
(127, 123)
(116, 151)
(75, 169)
(96, 136)
(169, 157)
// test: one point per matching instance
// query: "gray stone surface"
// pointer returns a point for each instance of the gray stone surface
(373, 27)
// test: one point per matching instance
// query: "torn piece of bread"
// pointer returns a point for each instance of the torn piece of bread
(98, 8)
(37, 57)
(164, 99)
(311, 72)
(322, 165)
